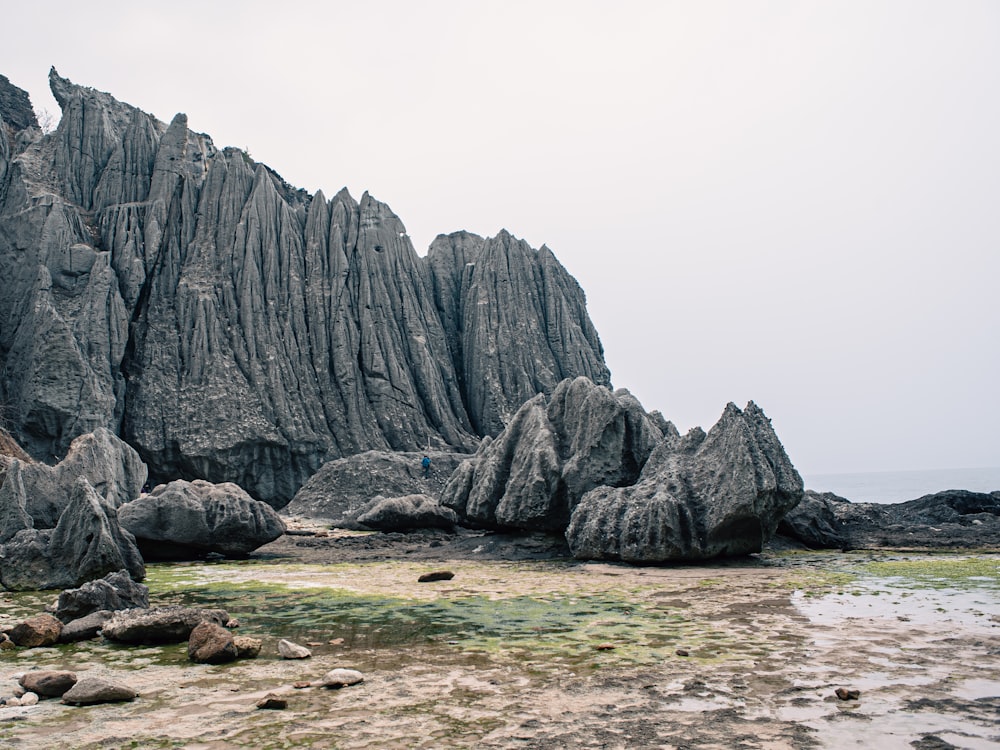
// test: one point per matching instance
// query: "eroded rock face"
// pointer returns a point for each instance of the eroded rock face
(186, 520)
(86, 544)
(534, 473)
(343, 488)
(408, 513)
(13, 502)
(233, 328)
(699, 497)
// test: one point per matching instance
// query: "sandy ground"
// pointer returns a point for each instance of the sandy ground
(745, 654)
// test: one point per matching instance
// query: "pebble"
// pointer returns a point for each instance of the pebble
(289, 650)
(29, 699)
(605, 647)
(272, 701)
(437, 575)
(847, 695)
(682, 652)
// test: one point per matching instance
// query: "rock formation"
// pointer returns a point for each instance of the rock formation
(535, 472)
(186, 520)
(85, 544)
(159, 624)
(344, 487)
(408, 513)
(113, 592)
(699, 497)
(233, 328)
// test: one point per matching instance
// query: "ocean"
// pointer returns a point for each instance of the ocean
(898, 486)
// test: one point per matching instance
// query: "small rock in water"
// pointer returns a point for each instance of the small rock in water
(438, 575)
(272, 701)
(11, 702)
(246, 647)
(847, 695)
(605, 647)
(313, 644)
(40, 630)
(29, 699)
(211, 643)
(338, 678)
(91, 690)
(6, 644)
(336, 641)
(301, 684)
(48, 683)
(289, 650)
(682, 652)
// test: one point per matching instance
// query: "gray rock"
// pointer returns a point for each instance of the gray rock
(87, 543)
(339, 678)
(48, 683)
(185, 520)
(159, 624)
(343, 488)
(233, 328)
(15, 106)
(698, 498)
(289, 650)
(535, 472)
(210, 643)
(814, 523)
(13, 500)
(113, 592)
(407, 513)
(90, 690)
(247, 647)
(84, 628)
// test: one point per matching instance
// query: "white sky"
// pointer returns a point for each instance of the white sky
(791, 202)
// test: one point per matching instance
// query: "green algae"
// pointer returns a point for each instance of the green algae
(940, 571)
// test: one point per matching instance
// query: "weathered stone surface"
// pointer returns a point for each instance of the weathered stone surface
(339, 678)
(40, 630)
(247, 647)
(13, 501)
(91, 690)
(954, 518)
(86, 544)
(699, 497)
(159, 624)
(185, 520)
(407, 513)
(289, 650)
(342, 489)
(48, 683)
(210, 643)
(814, 523)
(233, 328)
(113, 592)
(84, 628)
(535, 472)
(15, 106)
(110, 465)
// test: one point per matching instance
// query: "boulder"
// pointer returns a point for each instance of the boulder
(814, 523)
(338, 678)
(48, 683)
(534, 473)
(113, 592)
(289, 650)
(159, 624)
(210, 643)
(700, 497)
(90, 690)
(40, 630)
(247, 647)
(185, 520)
(84, 628)
(407, 513)
(344, 488)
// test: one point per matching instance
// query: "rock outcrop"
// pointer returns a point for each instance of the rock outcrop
(87, 543)
(187, 520)
(234, 328)
(159, 624)
(408, 513)
(950, 519)
(113, 592)
(534, 473)
(699, 497)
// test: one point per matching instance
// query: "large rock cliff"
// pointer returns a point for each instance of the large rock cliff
(233, 328)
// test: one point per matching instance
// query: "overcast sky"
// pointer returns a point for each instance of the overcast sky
(792, 202)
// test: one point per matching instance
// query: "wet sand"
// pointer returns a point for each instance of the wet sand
(524, 649)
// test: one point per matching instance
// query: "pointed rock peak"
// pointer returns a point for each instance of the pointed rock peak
(319, 196)
(62, 88)
(180, 121)
(344, 196)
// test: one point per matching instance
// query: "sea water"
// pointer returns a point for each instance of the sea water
(899, 486)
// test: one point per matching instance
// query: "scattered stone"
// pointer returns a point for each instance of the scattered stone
(159, 624)
(439, 575)
(210, 643)
(272, 701)
(90, 690)
(301, 684)
(289, 650)
(682, 652)
(605, 647)
(232, 623)
(84, 628)
(847, 695)
(336, 642)
(6, 644)
(113, 592)
(29, 699)
(48, 683)
(338, 678)
(11, 702)
(247, 647)
(313, 644)
(40, 630)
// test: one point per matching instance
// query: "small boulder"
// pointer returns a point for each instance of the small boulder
(84, 628)
(113, 592)
(47, 683)
(247, 647)
(159, 624)
(437, 575)
(338, 678)
(272, 701)
(92, 690)
(210, 643)
(408, 513)
(289, 650)
(28, 699)
(40, 630)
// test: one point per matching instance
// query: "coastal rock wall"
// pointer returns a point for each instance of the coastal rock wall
(233, 328)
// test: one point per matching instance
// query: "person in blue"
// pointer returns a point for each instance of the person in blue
(426, 463)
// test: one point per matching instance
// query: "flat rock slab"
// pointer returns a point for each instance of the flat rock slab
(338, 678)
(90, 690)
